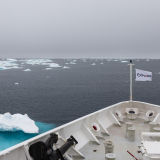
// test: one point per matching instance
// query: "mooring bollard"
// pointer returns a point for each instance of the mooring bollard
(131, 134)
(108, 147)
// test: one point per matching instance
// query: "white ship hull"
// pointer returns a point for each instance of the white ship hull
(111, 126)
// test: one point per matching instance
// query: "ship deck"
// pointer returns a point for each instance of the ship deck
(93, 151)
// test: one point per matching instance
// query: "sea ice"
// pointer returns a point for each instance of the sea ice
(13, 60)
(2, 67)
(102, 63)
(124, 61)
(37, 61)
(27, 70)
(93, 64)
(66, 67)
(17, 122)
(48, 69)
(54, 65)
(8, 64)
(16, 83)
(72, 63)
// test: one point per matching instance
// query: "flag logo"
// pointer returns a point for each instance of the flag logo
(143, 75)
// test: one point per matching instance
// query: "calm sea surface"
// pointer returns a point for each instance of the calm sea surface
(55, 97)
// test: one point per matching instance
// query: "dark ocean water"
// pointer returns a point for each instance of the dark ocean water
(58, 96)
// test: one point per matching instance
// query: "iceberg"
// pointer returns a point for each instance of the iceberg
(8, 64)
(54, 65)
(13, 60)
(2, 67)
(37, 61)
(124, 61)
(27, 70)
(16, 83)
(17, 122)
(102, 63)
(66, 67)
(48, 69)
(93, 64)
(72, 63)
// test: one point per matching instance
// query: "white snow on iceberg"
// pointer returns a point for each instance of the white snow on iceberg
(17, 122)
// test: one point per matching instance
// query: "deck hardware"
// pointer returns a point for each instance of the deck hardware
(108, 147)
(131, 134)
(45, 151)
(110, 156)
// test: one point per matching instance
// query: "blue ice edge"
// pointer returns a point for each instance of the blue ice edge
(9, 139)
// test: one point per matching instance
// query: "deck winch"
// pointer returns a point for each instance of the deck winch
(45, 151)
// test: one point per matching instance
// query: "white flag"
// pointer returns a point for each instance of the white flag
(143, 75)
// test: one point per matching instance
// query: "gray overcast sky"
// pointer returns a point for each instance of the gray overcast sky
(80, 28)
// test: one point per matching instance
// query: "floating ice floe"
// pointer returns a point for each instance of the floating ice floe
(27, 70)
(16, 83)
(137, 59)
(12, 60)
(66, 67)
(102, 63)
(93, 64)
(147, 59)
(124, 61)
(8, 64)
(17, 122)
(48, 69)
(72, 63)
(38, 61)
(54, 65)
(2, 68)
(66, 63)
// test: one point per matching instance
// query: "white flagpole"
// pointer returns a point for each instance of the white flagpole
(131, 79)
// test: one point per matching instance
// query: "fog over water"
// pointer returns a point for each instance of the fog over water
(81, 28)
